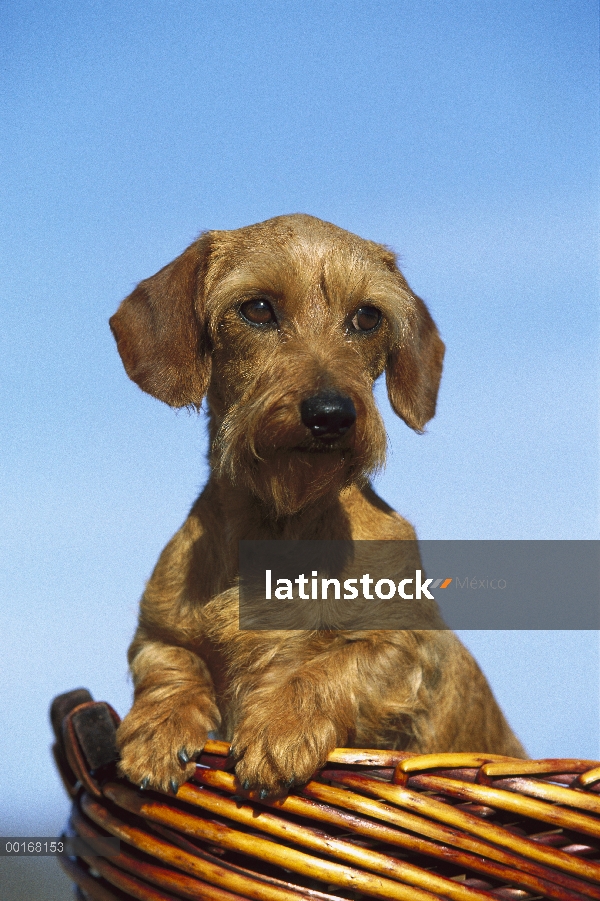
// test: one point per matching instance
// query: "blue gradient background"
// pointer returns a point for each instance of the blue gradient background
(464, 135)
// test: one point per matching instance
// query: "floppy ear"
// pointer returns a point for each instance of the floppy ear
(160, 330)
(414, 369)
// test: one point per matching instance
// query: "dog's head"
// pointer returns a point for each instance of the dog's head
(285, 326)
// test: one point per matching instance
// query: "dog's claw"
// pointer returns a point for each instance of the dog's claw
(145, 783)
(246, 785)
(183, 756)
(264, 793)
(173, 786)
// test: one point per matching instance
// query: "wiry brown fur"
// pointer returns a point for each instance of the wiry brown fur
(285, 698)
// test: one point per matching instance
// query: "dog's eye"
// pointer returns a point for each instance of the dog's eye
(258, 312)
(366, 319)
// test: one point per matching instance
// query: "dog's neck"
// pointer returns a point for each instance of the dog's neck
(242, 517)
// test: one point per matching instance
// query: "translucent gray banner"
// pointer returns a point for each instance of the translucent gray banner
(360, 585)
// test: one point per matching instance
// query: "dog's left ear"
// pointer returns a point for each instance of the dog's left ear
(161, 332)
(414, 365)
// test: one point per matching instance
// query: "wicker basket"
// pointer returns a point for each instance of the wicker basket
(370, 824)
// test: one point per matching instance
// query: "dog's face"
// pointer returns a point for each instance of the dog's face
(285, 325)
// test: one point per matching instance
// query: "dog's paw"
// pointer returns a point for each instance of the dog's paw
(272, 757)
(159, 743)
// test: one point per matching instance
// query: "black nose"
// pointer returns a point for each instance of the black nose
(328, 415)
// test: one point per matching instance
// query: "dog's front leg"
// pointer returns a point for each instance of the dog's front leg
(331, 691)
(173, 712)
(288, 727)
(300, 703)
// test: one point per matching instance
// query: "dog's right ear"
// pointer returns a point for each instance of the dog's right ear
(161, 333)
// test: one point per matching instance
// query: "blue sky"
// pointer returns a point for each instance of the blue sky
(462, 134)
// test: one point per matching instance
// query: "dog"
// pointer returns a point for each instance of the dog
(283, 327)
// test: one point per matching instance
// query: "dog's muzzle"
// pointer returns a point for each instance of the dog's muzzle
(328, 415)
